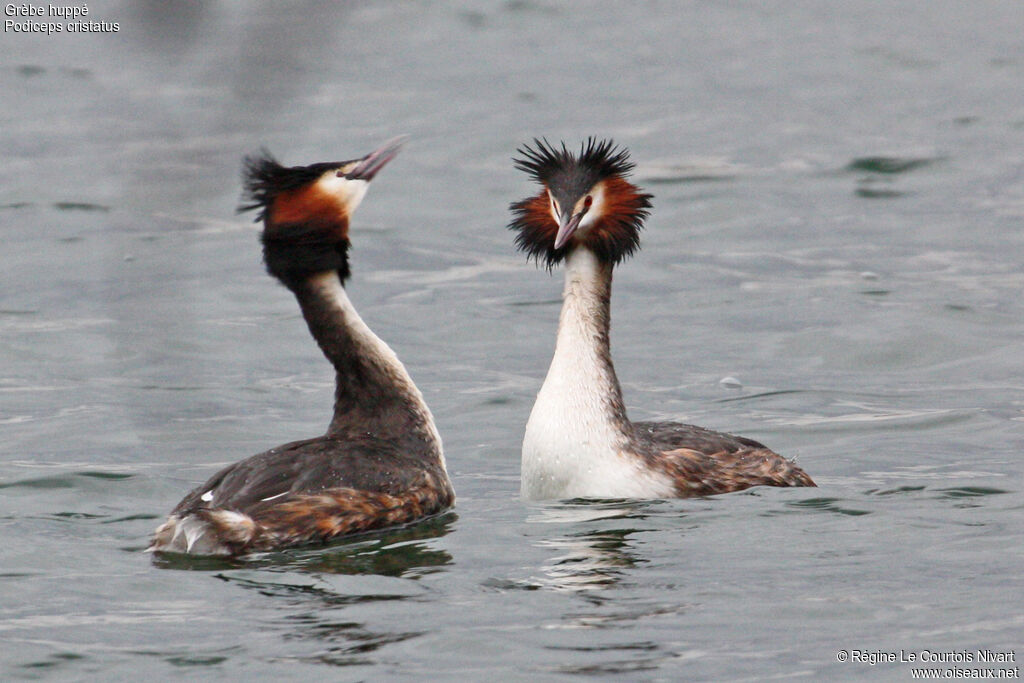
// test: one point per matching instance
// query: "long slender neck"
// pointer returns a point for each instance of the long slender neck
(581, 369)
(374, 393)
(578, 427)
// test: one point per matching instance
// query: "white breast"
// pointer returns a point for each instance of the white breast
(572, 447)
(570, 451)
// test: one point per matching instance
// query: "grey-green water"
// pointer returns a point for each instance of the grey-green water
(839, 197)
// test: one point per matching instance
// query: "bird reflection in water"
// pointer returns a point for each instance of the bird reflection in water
(401, 552)
(594, 559)
(318, 600)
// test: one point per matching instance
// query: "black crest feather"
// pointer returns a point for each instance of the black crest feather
(568, 176)
(263, 178)
(292, 251)
(599, 159)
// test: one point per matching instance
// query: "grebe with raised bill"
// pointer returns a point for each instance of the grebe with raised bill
(579, 443)
(380, 463)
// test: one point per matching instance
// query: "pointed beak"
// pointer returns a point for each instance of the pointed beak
(373, 162)
(566, 227)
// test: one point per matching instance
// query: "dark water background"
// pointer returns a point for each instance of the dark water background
(839, 200)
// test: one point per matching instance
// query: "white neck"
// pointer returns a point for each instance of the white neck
(577, 432)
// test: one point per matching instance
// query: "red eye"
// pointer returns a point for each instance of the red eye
(587, 202)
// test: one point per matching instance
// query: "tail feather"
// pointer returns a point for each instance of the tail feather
(206, 532)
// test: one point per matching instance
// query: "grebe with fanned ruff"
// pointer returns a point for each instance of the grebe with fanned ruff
(380, 463)
(579, 443)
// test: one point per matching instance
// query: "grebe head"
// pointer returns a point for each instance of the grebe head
(586, 201)
(306, 209)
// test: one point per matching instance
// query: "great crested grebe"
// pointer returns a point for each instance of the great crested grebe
(579, 443)
(380, 462)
